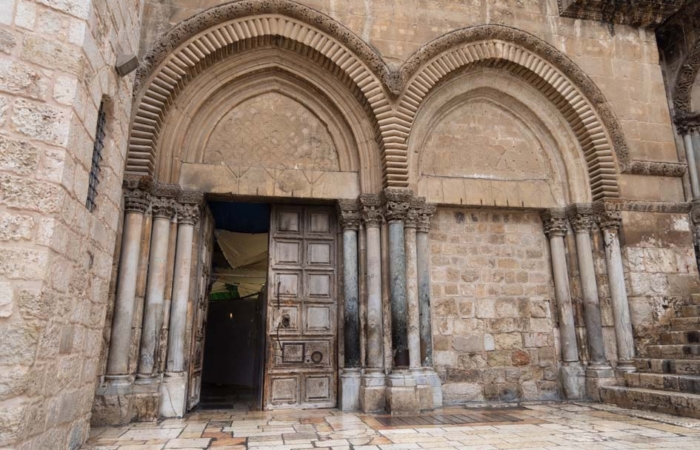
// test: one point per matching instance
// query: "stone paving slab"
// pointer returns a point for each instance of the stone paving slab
(545, 426)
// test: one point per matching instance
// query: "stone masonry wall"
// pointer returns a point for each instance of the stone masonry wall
(660, 270)
(622, 61)
(56, 66)
(492, 305)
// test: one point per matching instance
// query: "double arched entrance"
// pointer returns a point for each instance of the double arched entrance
(277, 103)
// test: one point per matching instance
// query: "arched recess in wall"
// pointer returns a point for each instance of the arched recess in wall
(332, 56)
(485, 137)
(532, 60)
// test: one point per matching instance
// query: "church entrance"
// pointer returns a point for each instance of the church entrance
(270, 330)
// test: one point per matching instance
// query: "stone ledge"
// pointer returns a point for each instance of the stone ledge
(640, 13)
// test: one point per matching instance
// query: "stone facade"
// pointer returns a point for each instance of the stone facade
(493, 326)
(498, 111)
(56, 67)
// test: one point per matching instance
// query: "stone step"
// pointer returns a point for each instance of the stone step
(663, 381)
(685, 324)
(680, 337)
(690, 311)
(677, 403)
(670, 351)
(674, 366)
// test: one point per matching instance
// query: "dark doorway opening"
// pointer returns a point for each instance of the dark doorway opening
(233, 368)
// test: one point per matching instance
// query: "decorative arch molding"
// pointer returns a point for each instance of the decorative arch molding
(684, 84)
(550, 71)
(217, 33)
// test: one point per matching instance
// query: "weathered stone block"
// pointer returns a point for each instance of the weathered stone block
(41, 121)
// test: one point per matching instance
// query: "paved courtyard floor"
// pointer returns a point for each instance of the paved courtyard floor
(538, 426)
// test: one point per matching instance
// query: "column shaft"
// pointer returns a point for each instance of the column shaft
(692, 168)
(567, 329)
(618, 295)
(118, 358)
(426, 333)
(181, 291)
(351, 294)
(397, 295)
(375, 352)
(155, 287)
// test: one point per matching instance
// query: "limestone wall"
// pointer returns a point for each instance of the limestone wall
(492, 306)
(624, 63)
(56, 66)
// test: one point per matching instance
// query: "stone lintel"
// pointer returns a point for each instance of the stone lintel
(639, 13)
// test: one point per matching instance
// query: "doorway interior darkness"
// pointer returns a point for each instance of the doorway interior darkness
(233, 368)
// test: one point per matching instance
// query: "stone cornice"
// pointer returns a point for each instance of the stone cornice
(642, 206)
(639, 13)
(656, 168)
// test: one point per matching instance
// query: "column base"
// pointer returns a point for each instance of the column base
(435, 386)
(146, 379)
(120, 400)
(573, 380)
(600, 371)
(624, 367)
(373, 391)
(402, 394)
(350, 390)
(173, 394)
(425, 391)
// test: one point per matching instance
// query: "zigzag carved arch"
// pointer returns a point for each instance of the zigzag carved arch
(217, 33)
(551, 72)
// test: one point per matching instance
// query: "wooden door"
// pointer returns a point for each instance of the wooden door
(203, 256)
(301, 309)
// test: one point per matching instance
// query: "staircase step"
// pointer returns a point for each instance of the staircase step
(663, 381)
(667, 351)
(685, 324)
(680, 337)
(674, 366)
(677, 403)
(690, 311)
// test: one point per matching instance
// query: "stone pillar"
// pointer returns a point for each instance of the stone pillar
(426, 329)
(350, 375)
(571, 371)
(690, 157)
(173, 401)
(610, 222)
(163, 210)
(136, 201)
(372, 389)
(582, 220)
(401, 393)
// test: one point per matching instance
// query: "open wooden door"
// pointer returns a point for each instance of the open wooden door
(301, 309)
(203, 255)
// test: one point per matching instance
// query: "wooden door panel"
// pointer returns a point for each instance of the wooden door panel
(302, 308)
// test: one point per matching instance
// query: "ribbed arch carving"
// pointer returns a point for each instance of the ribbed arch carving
(501, 47)
(170, 67)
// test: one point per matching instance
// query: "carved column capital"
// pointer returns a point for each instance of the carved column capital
(609, 220)
(695, 212)
(188, 207)
(371, 210)
(137, 194)
(396, 203)
(425, 215)
(581, 217)
(349, 213)
(163, 207)
(555, 222)
(416, 204)
(687, 123)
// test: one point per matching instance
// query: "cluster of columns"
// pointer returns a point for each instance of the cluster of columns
(689, 128)
(582, 218)
(395, 226)
(167, 203)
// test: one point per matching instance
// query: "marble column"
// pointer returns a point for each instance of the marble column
(426, 331)
(350, 375)
(173, 402)
(571, 371)
(163, 210)
(410, 224)
(582, 220)
(136, 201)
(610, 222)
(401, 392)
(690, 157)
(372, 389)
